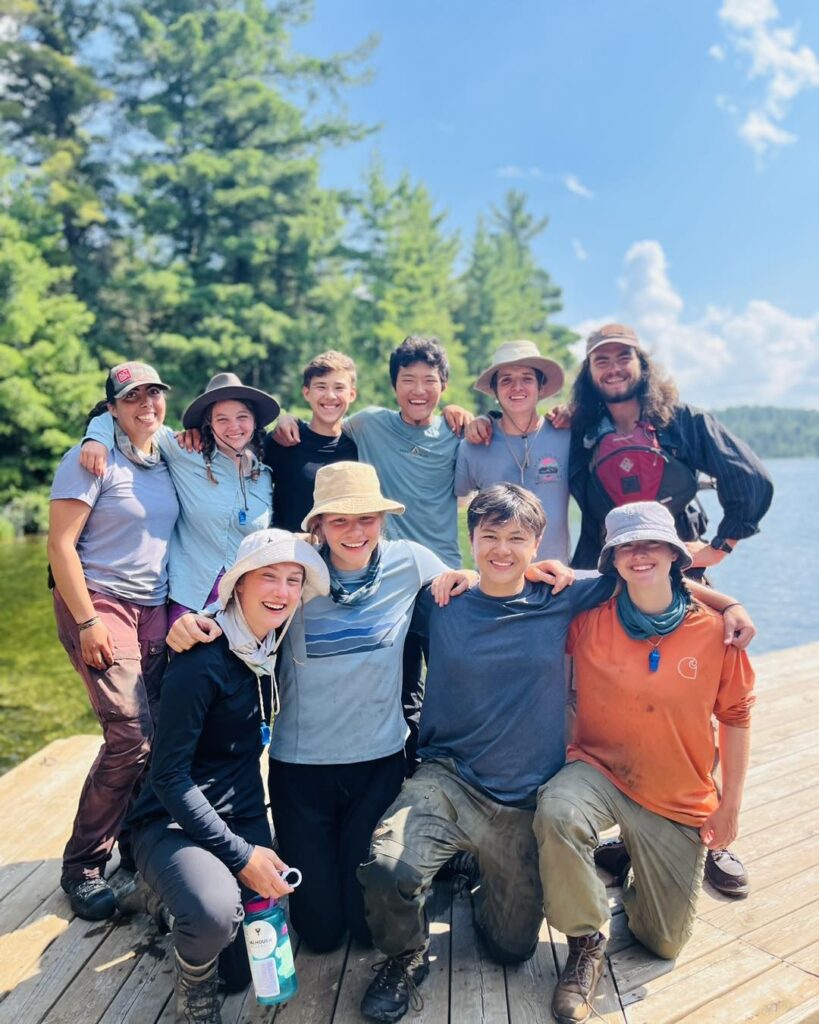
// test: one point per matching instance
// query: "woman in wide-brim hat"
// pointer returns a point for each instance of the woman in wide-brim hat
(651, 666)
(111, 585)
(225, 491)
(201, 835)
(337, 752)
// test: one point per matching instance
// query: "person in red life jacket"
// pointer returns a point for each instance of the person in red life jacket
(633, 440)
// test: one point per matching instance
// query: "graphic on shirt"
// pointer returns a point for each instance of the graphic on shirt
(548, 470)
(326, 638)
(688, 667)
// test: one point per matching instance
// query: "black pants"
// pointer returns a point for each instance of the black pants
(204, 897)
(416, 652)
(324, 816)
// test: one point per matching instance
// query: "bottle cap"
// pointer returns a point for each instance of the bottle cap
(259, 903)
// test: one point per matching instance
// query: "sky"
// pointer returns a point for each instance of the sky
(673, 146)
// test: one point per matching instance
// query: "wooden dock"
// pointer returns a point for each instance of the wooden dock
(755, 960)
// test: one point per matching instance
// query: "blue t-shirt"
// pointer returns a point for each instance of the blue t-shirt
(495, 696)
(123, 547)
(416, 466)
(341, 665)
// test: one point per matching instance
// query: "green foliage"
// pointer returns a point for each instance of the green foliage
(774, 433)
(505, 294)
(27, 513)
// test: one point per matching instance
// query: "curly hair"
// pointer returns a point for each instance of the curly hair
(657, 394)
(255, 445)
(418, 349)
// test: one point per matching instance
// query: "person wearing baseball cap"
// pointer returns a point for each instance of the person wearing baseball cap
(633, 439)
(200, 830)
(110, 578)
(524, 448)
(650, 668)
(225, 490)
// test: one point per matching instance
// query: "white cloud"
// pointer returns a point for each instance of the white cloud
(579, 250)
(785, 68)
(510, 171)
(717, 52)
(576, 186)
(761, 355)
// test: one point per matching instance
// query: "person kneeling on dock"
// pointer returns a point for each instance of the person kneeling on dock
(201, 835)
(651, 667)
(491, 734)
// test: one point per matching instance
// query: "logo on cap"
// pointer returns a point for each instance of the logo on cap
(124, 375)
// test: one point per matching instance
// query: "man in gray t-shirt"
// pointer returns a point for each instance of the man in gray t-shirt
(524, 447)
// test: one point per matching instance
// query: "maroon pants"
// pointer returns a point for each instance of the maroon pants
(124, 698)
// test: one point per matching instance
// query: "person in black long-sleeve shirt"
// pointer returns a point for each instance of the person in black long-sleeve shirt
(201, 835)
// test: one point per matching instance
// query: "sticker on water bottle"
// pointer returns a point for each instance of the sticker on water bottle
(261, 940)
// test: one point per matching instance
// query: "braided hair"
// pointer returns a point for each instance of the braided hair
(255, 445)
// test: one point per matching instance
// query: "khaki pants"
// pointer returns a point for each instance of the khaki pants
(660, 893)
(435, 815)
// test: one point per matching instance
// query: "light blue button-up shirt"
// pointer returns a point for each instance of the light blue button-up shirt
(209, 528)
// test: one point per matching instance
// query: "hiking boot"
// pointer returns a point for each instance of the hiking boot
(612, 856)
(137, 897)
(574, 994)
(725, 871)
(197, 996)
(395, 987)
(92, 899)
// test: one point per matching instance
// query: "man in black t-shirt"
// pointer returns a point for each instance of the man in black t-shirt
(329, 386)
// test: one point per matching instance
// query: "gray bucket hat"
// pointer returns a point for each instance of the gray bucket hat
(641, 520)
(223, 387)
(269, 547)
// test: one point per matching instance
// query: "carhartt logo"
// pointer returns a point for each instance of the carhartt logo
(687, 667)
(123, 375)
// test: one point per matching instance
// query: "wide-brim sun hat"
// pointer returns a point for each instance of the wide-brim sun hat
(226, 387)
(612, 334)
(640, 521)
(522, 353)
(270, 547)
(351, 489)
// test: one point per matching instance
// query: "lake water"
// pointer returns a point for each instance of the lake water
(775, 574)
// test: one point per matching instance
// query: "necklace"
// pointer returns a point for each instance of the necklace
(522, 464)
(264, 727)
(654, 654)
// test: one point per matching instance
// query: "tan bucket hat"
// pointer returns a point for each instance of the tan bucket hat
(521, 353)
(349, 488)
(270, 547)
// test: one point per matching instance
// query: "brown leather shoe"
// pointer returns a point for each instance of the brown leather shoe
(574, 994)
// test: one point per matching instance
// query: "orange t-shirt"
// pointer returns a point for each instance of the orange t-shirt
(650, 732)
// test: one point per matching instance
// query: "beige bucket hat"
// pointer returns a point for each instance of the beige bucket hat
(521, 353)
(269, 547)
(349, 488)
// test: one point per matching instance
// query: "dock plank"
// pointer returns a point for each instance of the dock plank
(478, 986)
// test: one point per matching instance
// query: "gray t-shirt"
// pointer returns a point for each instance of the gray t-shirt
(495, 698)
(123, 547)
(416, 466)
(545, 474)
(341, 667)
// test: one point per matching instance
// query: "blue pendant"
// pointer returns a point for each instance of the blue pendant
(242, 517)
(654, 660)
(265, 730)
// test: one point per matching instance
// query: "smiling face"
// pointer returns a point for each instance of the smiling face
(329, 396)
(351, 539)
(268, 596)
(232, 424)
(615, 372)
(140, 413)
(418, 389)
(644, 563)
(502, 553)
(518, 391)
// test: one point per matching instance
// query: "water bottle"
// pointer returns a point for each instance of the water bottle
(268, 947)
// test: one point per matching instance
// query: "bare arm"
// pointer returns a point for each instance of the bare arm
(721, 827)
(67, 517)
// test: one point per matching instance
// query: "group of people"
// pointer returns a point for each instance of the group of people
(309, 573)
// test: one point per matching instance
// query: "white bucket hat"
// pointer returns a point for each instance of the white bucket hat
(269, 547)
(641, 520)
(350, 489)
(521, 353)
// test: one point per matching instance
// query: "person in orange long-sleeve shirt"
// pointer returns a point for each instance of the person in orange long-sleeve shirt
(651, 667)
